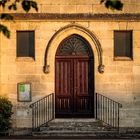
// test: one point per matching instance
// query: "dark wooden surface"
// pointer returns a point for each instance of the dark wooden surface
(74, 78)
(72, 88)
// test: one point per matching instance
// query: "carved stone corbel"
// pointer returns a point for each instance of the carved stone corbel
(101, 68)
(46, 69)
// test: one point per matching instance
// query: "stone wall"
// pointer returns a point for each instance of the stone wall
(120, 81)
(81, 6)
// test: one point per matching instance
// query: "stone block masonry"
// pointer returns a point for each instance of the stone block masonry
(120, 80)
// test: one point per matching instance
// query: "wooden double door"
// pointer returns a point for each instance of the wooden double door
(74, 90)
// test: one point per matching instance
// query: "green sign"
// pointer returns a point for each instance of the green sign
(22, 88)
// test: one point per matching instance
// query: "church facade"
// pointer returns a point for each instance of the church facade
(73, 49)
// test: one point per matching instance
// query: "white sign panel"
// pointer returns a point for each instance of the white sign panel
(24, 92)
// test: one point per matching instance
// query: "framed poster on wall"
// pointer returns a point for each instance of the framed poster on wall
(24, 92)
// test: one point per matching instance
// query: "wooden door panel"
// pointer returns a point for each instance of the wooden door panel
(63, 74)
(82, 97)
(63, 104)
(81, 77)
(73, 88)
(63, 88)
(83, 104)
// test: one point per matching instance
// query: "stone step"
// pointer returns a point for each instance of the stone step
(93, 128)
(74, 133)
(74, 127)
(86, 120)
(75, 124)
(50, 128)
(72, 122)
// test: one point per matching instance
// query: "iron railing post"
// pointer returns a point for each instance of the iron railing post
(42, 111)
(107, 111)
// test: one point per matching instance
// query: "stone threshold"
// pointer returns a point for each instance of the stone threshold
(74, 120)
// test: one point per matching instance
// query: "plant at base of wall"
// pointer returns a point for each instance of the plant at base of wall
(5, 114)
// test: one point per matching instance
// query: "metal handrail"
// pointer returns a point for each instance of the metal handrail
(42, 111)
(107, 110)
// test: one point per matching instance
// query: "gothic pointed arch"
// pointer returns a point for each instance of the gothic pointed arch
(82, 30)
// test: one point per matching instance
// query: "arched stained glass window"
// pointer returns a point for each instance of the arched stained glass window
(73, 45)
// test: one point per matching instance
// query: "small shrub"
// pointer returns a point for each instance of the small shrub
(5, 114)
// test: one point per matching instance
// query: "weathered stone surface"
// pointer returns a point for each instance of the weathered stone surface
(85, 128)
(72, 127)
(121, 79)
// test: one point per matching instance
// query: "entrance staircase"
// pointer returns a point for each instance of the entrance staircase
(75, 128)
(105, 124)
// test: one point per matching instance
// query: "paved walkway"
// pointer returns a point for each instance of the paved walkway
(59, 138)
(67, 139)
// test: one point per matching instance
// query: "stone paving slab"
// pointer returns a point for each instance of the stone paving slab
(63, 138)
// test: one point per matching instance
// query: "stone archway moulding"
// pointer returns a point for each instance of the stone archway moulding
(83, 30)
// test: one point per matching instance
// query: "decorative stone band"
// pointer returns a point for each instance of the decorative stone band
(59, 16)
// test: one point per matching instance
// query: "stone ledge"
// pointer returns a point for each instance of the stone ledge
(21, 132)
(56, 16)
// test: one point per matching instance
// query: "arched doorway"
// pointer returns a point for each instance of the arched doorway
(74, 78)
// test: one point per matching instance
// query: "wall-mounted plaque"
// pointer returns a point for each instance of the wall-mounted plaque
(24, 92)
